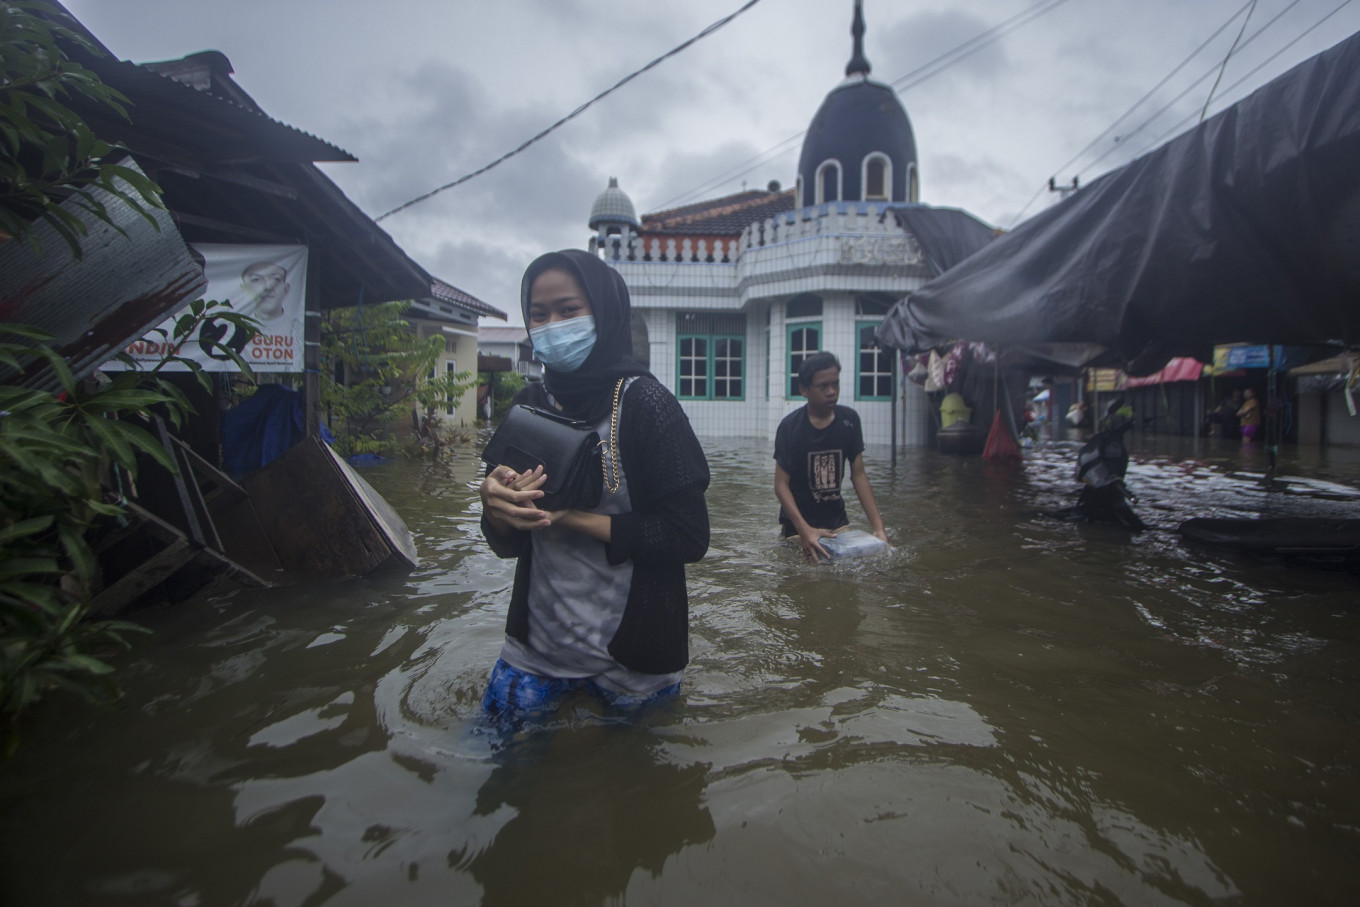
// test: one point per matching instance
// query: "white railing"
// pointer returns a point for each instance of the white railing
(863, 219)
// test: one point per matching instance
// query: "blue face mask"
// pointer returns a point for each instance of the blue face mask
(563, 345)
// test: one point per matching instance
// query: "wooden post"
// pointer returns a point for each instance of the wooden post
(311, 348)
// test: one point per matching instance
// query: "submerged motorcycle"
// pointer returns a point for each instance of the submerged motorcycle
(1102, 463)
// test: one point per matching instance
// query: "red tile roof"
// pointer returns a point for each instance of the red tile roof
(445, 292)
(726, 216)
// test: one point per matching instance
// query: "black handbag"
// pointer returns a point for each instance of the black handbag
(568, 451)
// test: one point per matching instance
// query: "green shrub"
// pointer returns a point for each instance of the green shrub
(59, 452)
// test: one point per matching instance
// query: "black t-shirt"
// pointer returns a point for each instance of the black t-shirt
(816, 460)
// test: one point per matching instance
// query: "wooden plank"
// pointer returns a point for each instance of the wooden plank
(318, 519)
(244, 539)
(142, 579)
(181, 487)
(183, 568)
(210, 473)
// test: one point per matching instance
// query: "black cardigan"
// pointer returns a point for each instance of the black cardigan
(667, 528)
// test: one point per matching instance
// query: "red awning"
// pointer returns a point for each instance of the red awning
(1179, 369)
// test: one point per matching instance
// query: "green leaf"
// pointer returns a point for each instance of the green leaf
(83, 663)
(28, 566)
(59, 366)
(26, 330)
(118, 399)
(78, 550)
(143, 440)
(119, 446)
(24, 528)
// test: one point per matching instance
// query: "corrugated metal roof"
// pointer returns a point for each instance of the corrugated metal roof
(124, 283)
(231, 174)
(213, 128)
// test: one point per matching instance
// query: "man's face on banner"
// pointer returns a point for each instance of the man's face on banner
(267, 284)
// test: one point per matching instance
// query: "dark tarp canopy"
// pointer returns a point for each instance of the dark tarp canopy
(1246, 229)
(946, 236)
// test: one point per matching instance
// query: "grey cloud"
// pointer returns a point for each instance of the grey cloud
(912, 43)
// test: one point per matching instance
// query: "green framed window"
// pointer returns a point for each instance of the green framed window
(804, 339)
(710, 356)
(873, 365)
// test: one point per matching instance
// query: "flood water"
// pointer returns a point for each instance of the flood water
(1007, 709)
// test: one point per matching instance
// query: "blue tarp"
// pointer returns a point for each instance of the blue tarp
(261, 429)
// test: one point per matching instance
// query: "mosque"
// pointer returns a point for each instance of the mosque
(730, 294)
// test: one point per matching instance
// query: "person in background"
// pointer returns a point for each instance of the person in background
(1249, 415)
(1076, 414)
(1222, 420)
(812, 448)
(1118, 416)
(599, 603)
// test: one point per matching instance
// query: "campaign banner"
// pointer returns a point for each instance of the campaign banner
(268, 283)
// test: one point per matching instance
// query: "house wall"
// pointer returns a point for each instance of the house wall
(838, 252)
(1323, 420)
(460, 355)
(524, 364)
(1309, 412)
(1342, 429)
(1168, 409)
(767, 398)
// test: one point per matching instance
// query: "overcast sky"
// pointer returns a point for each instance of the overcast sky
(425, 91)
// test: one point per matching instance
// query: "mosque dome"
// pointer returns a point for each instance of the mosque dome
(860, 146)
(613, 210)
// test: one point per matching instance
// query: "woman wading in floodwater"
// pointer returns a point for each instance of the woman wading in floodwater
(599, 601)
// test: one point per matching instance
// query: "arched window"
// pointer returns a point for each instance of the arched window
(829, 182)
(798, 198)
(877, 179)
(913, 184)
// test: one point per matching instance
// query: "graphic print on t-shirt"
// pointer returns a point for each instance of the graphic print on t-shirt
(824, 474)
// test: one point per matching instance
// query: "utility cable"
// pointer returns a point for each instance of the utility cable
(1231, 50)
(741, 169)
(917, 76)
(575, 113)
(1136, 104)
(982, 40)
(1176, 128)
(1164, 108)
(1191, 87)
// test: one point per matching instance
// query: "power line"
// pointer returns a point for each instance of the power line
(575, 113)
(741, 169)
(1305, 33)
(1168, 105)
(986, 39)
(1221, 69)
(917, 76)
(1136, 104)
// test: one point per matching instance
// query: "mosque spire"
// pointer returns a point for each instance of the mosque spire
(858, 62)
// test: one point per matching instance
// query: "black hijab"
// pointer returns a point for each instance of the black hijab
(588, 392)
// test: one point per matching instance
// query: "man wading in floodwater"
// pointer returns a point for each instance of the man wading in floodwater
(811, 449)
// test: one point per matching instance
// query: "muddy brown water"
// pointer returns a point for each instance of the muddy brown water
(1007, 709)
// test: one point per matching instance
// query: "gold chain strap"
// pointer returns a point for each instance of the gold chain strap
(612, 454)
